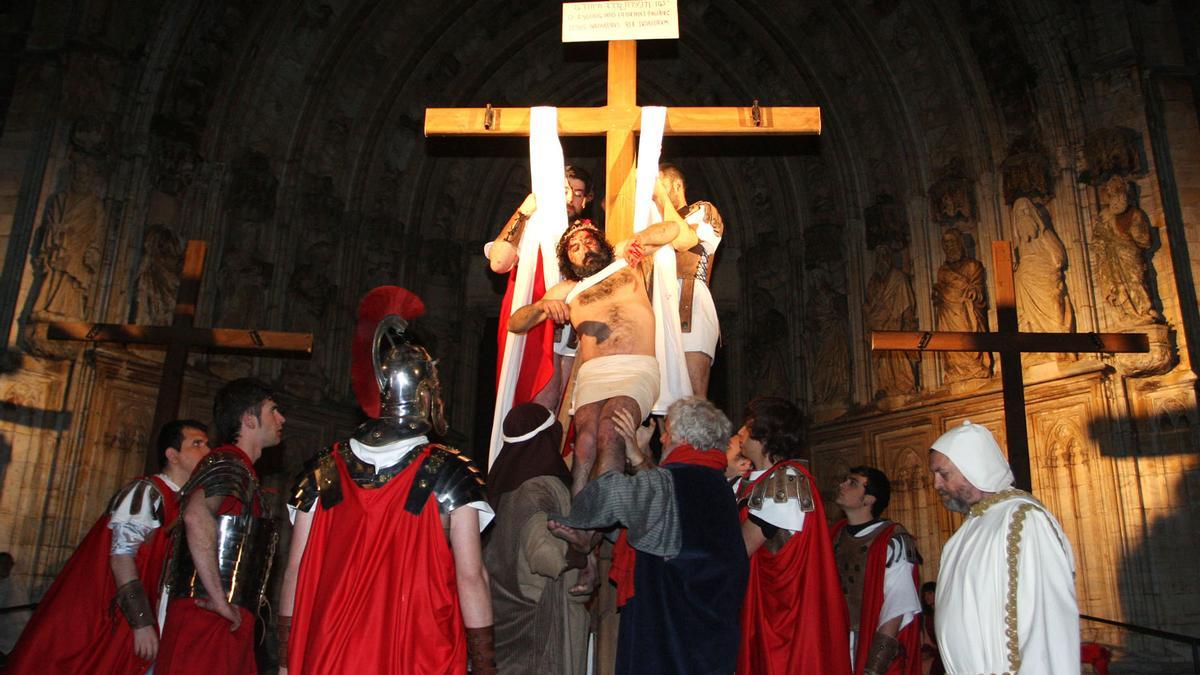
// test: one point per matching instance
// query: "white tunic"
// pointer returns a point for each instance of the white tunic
(979, 598)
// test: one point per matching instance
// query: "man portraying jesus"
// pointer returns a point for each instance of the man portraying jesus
(607, 304)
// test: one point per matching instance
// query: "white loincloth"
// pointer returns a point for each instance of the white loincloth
(603, 377)
(706, 329)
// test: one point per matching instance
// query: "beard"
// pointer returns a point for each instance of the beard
(593, 262)
(954, 503)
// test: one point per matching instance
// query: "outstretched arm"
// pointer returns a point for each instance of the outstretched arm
(503, 254)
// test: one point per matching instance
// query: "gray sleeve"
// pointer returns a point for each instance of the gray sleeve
(643, 503)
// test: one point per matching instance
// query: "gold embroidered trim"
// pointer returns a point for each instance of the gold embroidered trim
(1010, 605)
(984, 504)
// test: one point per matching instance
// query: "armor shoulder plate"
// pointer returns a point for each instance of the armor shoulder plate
(222, 474)
(450, 476)
(138, 489)
(781, 485)
(902, 546)
(318, 478)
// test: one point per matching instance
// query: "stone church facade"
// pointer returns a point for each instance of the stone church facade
(288, 136)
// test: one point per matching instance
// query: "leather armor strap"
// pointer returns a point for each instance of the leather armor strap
(481, 650)
(135, 605)
(283, 630)
(884, 649)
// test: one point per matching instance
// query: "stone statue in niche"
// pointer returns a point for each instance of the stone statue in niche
(891, 305)
(950, 198)
(959, 305)
(826, 323)
(766, 354)
(1120, 239)
(158, 276)
(1042, 302)
(70, 250)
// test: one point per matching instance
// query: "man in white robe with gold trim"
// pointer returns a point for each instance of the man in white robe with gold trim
(1006, 587)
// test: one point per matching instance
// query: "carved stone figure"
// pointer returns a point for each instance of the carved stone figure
(158, 276)
(958, 305)
(1120, 238)
(70, 251)
(950, 198)
(891, 305)
(826, 324)
(1042, 302)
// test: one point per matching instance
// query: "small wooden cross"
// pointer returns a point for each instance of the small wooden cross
(179, 337)
(618, 121)
(1011, 343)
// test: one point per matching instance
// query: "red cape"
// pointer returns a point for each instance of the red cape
(196, 641)
(73, 630)
(909, 662)
(376, 590)
(794, 615)
(537, 360)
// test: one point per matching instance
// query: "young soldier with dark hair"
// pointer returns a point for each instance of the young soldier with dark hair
(877, 561)
(794, 615)
(73, 630)
(222, 555)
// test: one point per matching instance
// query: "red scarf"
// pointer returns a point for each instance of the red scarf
(624, 556)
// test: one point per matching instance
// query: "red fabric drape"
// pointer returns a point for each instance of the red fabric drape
(909, 662)
(376, 590)
(73, 629)
(537, 360)
(794, 615)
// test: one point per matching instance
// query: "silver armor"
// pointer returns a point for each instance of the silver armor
(245, 548)
(245, 543)
(409, 391)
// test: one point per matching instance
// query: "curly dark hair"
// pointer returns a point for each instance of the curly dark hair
(778, 424)
(565, 268)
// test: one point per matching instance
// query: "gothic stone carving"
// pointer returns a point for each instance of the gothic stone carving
(1026, 172)
(891, 305)
(1042, 302)
(158, 276)
(951, 198)
(959, 305)
(70, 251)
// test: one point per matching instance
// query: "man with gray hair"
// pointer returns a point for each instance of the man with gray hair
(1006, 586)
(682, 574)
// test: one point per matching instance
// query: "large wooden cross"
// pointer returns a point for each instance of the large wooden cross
(618, 121)
(179, 337)
(1010, 343)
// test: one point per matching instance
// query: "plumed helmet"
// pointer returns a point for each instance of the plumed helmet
(375, 305)
(409, 392)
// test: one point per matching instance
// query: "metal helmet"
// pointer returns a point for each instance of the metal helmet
(409, 390)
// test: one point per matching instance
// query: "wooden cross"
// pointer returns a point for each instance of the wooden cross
(618, 121)
(179, 337)
(1011, 343)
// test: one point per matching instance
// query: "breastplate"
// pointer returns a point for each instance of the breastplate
(245, 549)
(850, 553)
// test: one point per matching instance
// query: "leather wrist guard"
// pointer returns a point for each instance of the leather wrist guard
(513, 234)
(135, 605)
(283, 628)
(481, 650)
(884, 649)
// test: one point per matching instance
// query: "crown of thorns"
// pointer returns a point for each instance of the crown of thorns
(584, 224)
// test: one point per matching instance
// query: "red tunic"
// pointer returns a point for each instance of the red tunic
(909, 661)
(536, 362)
(794, 615)
(376, 589)
(196, 641)
(73, 629)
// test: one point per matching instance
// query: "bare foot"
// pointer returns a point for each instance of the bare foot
(587, 578)
(580, 540)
